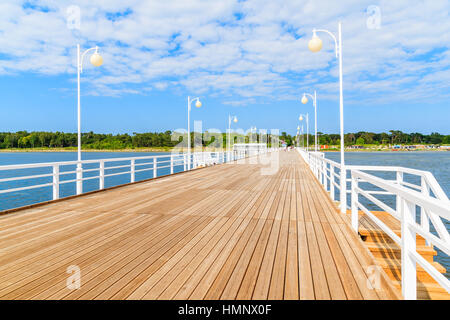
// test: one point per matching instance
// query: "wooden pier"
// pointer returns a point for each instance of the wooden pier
(221, 232)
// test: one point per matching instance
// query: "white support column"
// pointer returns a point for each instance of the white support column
(154, 167)
(79, 170)
(55, 182)
(322, 167)
(341, 117)
(102, 175)
(332, 182)
(132, 169)
(79, 182)
(409, 272)
(325, 175)
(343, 193)
(424, 221)
(398, 203)
(184, 162)
(354, 204)
(171, 164)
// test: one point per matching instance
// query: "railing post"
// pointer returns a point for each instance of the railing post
(154, 167)
(171, 164)
(332, 181)
(184, 162)
(55, 181)
(409, 275)
(79, 182)
(424, 221)
(343, 190)
(317, 169)
(354, 203)
(322, 172)
(399, 177)
(325, 176)
(132, 171)
(102, 175)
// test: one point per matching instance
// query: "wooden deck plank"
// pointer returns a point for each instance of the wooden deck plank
(223, 232)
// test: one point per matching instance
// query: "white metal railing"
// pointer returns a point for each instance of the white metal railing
(101, 168)
(424, 201)
(328, 172)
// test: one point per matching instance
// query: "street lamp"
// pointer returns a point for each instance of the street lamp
(97, 61)
(305, 101)
(235, 120)
(198, 104)
(315, 44)
(307, 128)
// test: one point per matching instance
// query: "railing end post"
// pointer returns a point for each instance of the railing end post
(55, 181)
(408, 238)
(354, 204)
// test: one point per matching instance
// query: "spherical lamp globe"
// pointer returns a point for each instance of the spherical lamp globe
(315, 44)
(235, 120)
(304, 100)
(300, 118)
(198, 104)
(96, 60)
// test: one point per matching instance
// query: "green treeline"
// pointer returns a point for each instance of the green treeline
(90, 140)
(363, 138)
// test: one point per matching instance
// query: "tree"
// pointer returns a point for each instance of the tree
(360, 141)
(435, 138)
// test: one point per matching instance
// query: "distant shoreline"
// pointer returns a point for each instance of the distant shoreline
(168, 149)
(387, 150)
(84, 150)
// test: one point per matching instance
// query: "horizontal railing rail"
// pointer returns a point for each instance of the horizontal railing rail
(421, 198)
(20, 177)
(432, 210)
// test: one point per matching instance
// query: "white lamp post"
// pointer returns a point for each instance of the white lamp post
(97, 61)
(303, 139)
(198, 104)
(305, 101)
(235, 120)
(307, 128)
(315, 44)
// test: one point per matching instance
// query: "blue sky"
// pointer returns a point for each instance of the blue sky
(241, 58)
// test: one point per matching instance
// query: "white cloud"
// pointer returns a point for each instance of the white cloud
(241, 50)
